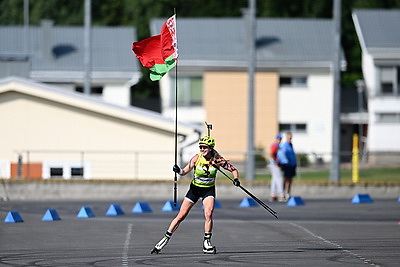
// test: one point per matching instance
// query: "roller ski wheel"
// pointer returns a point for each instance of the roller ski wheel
(160, 245)
(212, 250)
(155, 251)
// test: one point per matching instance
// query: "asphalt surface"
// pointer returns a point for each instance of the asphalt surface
(319, 233)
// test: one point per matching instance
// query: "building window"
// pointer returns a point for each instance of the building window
(76, 172)
(293, 127)
(388, 117)
(296, 81)
(56, 172)
(190, 91)
(94, 90)
(66, 169)
(389, 80)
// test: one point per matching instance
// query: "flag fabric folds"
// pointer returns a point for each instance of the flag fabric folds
(159, 53)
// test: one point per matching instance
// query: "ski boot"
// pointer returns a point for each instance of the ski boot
(207, 247)
(160, 245)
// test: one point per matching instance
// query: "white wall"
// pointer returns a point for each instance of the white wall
(383, 137)
(5, 169)
(379, 134)
(312, 105)
(116, 94)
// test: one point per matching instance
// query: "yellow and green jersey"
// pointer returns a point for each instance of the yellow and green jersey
(204, 172)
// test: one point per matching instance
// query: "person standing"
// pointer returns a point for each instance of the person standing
(276, 172)
(289, 163)
(205, 165)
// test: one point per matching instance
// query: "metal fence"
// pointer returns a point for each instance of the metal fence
(74, 164)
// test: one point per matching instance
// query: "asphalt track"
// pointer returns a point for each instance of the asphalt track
(319, 233)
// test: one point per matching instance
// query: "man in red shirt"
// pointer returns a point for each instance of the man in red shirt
(276, 172)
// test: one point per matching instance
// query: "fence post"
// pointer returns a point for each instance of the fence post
(19, 167)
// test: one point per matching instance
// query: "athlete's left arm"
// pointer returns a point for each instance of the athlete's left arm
(227, 166)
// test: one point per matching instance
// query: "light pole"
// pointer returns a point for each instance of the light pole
(360, 84)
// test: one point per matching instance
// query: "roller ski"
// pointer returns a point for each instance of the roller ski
(208, 248)
(160, 245)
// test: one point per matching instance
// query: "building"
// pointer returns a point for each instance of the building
(55, 55)
(380, 44)
(49, 132)
(293, 81)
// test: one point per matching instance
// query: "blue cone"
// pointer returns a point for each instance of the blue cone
(114, 210)
(217, 205)
(361, 198)
(51, 215)
(141, 207)
(248, 202)
(295, 201)
(85, 212)
(169, 206)
(13, 217)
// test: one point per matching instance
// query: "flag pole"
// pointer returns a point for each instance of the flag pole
(176, 126)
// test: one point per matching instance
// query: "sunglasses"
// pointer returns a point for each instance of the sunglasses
(203, 147)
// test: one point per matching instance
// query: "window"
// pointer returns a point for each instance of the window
(190, 91)
(66, 169)
(76, 172)
(94, 90)
(296, 81)
(389, 80)
(56, 172)
(293, 127)
(389, 117)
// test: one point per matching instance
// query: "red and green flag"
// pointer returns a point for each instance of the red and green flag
(159, 53)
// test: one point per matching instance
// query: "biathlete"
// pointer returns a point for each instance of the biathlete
(205, 165)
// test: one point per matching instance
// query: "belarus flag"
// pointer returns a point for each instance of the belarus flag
(159, 53)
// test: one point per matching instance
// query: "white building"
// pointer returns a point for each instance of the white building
(60, 134)
(380, 43)
(293, 81)
(55, 55)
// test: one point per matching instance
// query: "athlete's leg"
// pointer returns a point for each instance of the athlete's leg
(183, 212)
(186, 206)
(208, 204)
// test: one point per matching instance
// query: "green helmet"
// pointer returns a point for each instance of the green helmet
(208, 140)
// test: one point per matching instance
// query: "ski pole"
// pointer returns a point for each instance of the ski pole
(262, 204)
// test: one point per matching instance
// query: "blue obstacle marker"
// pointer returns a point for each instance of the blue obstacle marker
(51, 215)
(85, 212)
(169, 206)
(295, 201)
(248, 202)
(361, 198)
(217, 205)
(398, 200)
(114, 210)
(141, 207)
(13, 217)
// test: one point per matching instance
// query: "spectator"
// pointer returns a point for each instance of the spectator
(287, 159)
(276, 172)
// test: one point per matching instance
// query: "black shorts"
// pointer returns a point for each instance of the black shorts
(289, 171)
(196, 192)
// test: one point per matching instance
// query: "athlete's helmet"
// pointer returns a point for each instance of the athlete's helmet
(208, 140)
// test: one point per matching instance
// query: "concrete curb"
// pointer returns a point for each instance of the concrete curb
(103, 190)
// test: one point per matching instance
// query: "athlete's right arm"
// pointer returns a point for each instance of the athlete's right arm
(190, 165)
